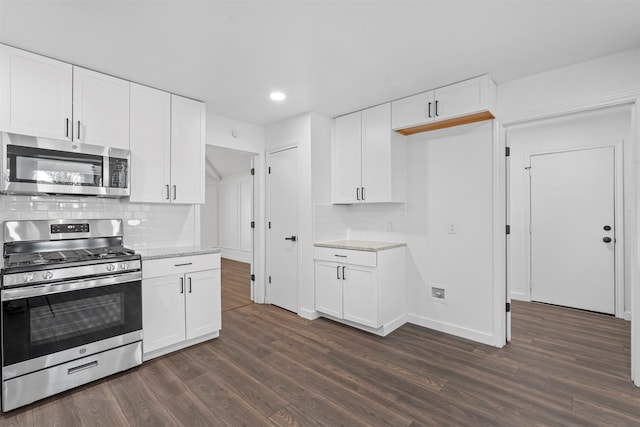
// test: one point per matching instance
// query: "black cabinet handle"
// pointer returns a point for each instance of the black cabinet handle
(437, 109)
(175, 192)
(292, 238)
(362, 191)
(358, 193)
(338, 272)
(168, 192)
(429, 110)
(344, 277)
(190, 285)
(66, 128)
(182, 285)
(78, 130)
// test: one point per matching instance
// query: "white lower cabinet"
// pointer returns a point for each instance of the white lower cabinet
(365, 289)
(180, 302)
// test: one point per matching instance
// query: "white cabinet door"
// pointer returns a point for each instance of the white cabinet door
(203, 309)
(150, 144)
(35, 94)
(328, 282)
(467, 97)
(187, 150)
(413, 110)
(360, 293)
(100, 109)
(162, 312)
(376, 154)
(347, 159)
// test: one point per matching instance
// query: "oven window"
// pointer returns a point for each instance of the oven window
(41, 166)
(38, 326)
(68, 319)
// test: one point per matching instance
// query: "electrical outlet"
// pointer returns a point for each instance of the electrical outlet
(452, 228)
(437, 292)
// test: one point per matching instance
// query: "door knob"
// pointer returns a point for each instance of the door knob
(292, 238)
(607, 227)
(607, 239)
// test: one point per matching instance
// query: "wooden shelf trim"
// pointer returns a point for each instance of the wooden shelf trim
(456, 121)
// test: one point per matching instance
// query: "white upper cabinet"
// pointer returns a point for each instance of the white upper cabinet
(460, 103)
(347, 158)
(364, 152)
(100, 109)
(150, 144)
(35, 94)
(167, 147)
(187, 150)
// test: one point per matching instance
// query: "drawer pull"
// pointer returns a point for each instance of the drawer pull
(182, 265)
(82, 367)
(341, 256)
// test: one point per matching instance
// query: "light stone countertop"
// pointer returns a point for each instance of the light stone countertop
(157, 253)
(360, 245)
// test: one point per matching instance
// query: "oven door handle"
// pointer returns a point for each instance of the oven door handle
(75, 285)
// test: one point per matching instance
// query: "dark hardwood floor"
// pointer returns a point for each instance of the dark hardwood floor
(271, 367)
(236, 287)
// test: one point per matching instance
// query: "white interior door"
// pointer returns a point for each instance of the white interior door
(572, 217)
(283, 216)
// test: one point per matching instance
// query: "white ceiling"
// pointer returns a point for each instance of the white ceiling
(331, 57)
(222, 163)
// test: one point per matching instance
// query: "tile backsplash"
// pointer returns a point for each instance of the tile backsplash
(375, 221)
(146, 226)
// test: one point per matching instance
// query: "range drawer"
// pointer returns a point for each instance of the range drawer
(346, 256)
(179, 265)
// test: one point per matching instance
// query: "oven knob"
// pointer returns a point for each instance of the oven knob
(111, 267)
(47, 275)
(28, 277)
(124, 266)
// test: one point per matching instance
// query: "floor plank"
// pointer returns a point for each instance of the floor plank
(270, 367)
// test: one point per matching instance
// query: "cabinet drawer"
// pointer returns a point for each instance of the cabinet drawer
(346, 256)
(179, 265)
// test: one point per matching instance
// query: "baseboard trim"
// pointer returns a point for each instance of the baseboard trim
(520, 296)
(308, 314)
(178, 346)
(382, 331)
(459, 331)
(627, 315)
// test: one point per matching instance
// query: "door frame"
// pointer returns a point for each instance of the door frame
(618, 194)
(254, 294)
(501, 205)
(267, 294)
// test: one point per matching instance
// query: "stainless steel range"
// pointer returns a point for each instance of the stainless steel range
(71, 306)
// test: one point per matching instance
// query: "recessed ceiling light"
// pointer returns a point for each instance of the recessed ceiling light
(277, 96)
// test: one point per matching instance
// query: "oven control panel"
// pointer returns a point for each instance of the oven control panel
(69, 228)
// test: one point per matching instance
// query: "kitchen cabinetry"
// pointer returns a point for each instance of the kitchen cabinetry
(35, 94)
(100, 109)
(460, 103)
(181, 303)
(167, 147)
(52, 99)
(150, 145)
(367, 158)
(187, 150)
(365, 289)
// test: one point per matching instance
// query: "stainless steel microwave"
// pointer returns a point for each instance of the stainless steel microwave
(32, 165)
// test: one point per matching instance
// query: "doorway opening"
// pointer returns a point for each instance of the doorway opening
(570, 206)
(226, 221)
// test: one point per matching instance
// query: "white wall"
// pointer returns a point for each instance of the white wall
(450, 182)
(570, 88)
(234, 214)
(588, 129)
(209, 215)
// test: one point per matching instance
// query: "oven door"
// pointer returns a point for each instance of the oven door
(44, 326)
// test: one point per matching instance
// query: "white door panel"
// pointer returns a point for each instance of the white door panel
(572, 200)
(283, 215)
